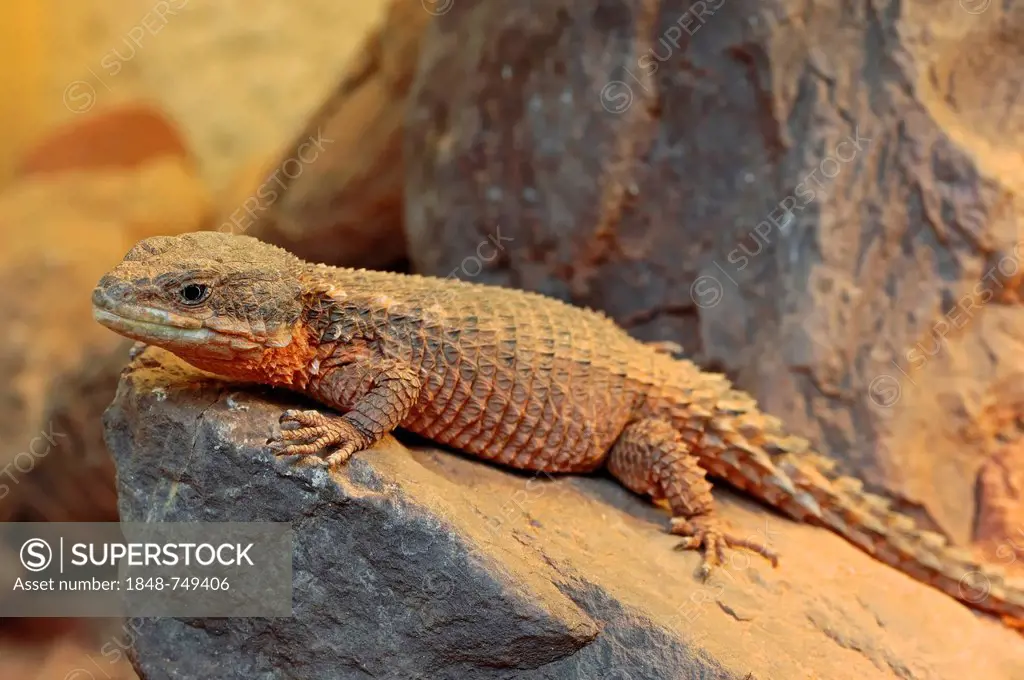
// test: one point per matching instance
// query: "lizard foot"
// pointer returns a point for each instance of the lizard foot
(705, 531)
(310, 433)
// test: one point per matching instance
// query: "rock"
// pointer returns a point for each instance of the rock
(119, 138)
(335, 194)
(59, 233)
(76, 483)
(1001, 517)
(427, 564)
(828, 209)
(260, 77)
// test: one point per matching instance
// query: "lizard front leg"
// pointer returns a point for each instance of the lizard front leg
(651, 458)
(376, 395)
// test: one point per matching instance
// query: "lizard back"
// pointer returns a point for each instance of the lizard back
(513, 377)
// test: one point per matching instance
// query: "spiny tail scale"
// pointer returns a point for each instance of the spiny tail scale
(742, 445)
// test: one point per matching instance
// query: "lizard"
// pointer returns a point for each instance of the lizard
(509, 376)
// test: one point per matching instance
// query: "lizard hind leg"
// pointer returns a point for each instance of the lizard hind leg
(651, 458)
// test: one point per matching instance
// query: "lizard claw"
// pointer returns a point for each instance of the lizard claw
(704, 531)
(311, 433)
(666, 347)
(137, 348)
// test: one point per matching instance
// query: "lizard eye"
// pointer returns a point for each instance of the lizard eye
(194, 293)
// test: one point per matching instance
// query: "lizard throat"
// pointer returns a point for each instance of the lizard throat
(282, 358)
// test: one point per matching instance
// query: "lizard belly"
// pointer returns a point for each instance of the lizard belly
(557, 417)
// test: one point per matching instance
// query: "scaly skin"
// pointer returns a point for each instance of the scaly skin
(512, 377)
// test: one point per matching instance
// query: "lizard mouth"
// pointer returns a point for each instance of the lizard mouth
(165, 329)
(151, 331)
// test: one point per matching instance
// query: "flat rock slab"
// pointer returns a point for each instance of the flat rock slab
(426, 564)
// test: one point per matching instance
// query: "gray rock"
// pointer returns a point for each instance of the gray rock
(821, 199)
(426, 564)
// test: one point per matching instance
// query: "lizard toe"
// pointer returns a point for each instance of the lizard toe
(299, 434)
(308, 449)
(341, 456)
(312, 433)
(705, 533)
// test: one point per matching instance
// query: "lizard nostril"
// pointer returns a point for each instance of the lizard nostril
(109, 291)
(99, 297)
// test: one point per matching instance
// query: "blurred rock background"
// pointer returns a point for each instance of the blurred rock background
(121, 119)
(238, 77)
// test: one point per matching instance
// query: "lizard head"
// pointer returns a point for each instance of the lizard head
(213, 299)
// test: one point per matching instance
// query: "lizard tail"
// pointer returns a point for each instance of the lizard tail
(748, 448)
(868, 521)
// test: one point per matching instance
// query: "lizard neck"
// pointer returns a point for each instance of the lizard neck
(288, 366)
